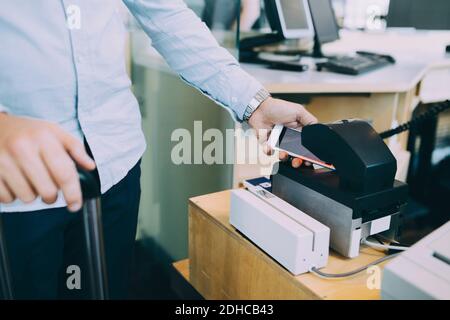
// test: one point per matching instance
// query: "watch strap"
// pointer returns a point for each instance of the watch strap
(261, 96)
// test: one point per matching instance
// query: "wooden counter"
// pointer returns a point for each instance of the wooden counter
(226, 265)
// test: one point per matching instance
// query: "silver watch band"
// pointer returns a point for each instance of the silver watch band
(261, 96)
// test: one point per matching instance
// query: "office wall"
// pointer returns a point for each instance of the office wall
(167, 104)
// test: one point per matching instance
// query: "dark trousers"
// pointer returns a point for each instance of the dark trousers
(43, 244)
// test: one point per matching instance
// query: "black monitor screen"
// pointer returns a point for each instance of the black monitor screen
(294, 14)
(324, 20)
(419, 14)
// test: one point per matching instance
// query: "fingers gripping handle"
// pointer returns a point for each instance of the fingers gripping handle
(94, 242)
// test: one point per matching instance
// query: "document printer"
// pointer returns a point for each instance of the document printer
(359, 198)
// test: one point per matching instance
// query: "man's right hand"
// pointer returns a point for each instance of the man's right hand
(37, 159)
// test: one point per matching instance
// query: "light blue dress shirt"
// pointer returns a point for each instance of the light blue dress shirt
(71, 71)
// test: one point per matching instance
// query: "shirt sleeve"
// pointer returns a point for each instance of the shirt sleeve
(191, 50)
(3, 108)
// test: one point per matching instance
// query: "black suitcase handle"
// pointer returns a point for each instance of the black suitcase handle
(6, 290)
(94, 242)
(89, 184)
(93, 229)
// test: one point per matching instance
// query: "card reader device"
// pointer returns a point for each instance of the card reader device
(358, 199)
(291, 237)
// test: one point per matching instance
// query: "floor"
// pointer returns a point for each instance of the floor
(153, 280)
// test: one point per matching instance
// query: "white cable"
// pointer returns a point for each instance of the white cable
(382, 246)
(324, 275)
(336, 276)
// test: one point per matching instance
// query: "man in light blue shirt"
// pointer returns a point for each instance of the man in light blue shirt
(63, 85)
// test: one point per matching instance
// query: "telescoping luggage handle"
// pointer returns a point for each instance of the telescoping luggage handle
(92, 221)
(5, 272)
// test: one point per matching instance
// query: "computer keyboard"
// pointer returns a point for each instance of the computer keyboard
(355, 65)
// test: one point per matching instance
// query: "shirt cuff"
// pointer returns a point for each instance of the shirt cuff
(234, 89)
(250, 89)
(3, 108)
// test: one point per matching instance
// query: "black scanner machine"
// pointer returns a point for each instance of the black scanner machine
(360, 198)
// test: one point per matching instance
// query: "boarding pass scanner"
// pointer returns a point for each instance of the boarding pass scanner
(299, 213)
(358, 199)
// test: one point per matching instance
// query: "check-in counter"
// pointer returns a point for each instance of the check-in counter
(385, 97)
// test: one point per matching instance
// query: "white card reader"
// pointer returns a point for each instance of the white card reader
(291, 237)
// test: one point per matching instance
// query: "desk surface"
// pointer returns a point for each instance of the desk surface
(416, 53)
(216, 246)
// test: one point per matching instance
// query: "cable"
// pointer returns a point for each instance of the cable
(417, 121)
(351, 273)
(354, 272)
(378, 239)
(381, 239)
(383, 246)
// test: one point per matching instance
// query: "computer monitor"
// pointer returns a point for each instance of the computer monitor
(290, 18)
(325, 25)
(419, 14)
(324, 20)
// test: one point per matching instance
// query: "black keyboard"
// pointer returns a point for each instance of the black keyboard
(355, 65)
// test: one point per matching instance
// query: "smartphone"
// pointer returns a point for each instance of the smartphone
(290, 141)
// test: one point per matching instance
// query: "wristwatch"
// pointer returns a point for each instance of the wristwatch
(257, 100)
